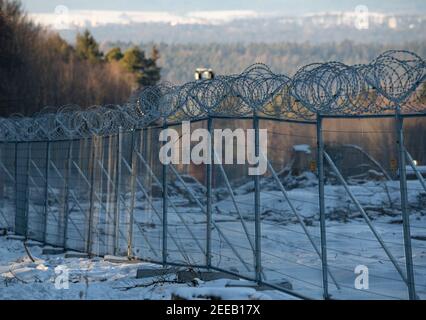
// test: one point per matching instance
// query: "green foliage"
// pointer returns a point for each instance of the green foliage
(59, 47)
(114, 54)
(152, 71)
(133, 60)
(145, 69)
(179, 61)
(38, 68)
(87, 48)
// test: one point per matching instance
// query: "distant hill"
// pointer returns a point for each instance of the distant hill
(179, 61)
(242, 26)
(289, 7)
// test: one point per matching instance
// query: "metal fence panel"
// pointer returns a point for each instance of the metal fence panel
(36, 215)
(364, 151)
(186, 214)
(232, 237)
(339, 211)
(56, 184)
(291, 255)
(148, 207)
(415, 145)
(79, 195)
(7, 185)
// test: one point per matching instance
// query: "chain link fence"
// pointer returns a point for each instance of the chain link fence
(344, 187)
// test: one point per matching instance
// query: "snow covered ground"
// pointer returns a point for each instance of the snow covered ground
(288, 256)
(287, 253)
(21, 278)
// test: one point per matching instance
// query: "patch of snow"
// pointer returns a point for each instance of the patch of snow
(219, 293)
(95, 278)
(305, 148)
(421, 169)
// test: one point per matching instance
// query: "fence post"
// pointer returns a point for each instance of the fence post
(92, 192)
(27, 204)
(66, 193)
(165, 200)
(132, 193)
(46, 191)
(404, 205)
(209, 168)
(257, 222)
(16, 184)
(320, 160)
(2, 186)
(118, 191)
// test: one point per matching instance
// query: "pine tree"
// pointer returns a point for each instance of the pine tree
(114, 54)
(145, 69)
(153, 71)
(155, 53)
(87, 48)
(59, 47)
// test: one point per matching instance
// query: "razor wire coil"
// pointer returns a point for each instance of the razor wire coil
(395, 80)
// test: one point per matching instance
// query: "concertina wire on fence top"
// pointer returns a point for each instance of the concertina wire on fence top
(393, 82)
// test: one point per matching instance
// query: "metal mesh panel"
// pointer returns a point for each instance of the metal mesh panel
(364, 152)
(57, 180)
(37, 184)
(289, 206)
(415, 145)
(79, 188)
(7, 185)
(339, 194)
(148, 207)
(22, 162)
(233, 213)
(106, 195)
(186, 214)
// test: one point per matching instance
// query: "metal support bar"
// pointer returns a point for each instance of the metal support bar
(404, 206)
(46, 191)
(320, 160)
(2, 187)
(365, 216)
(109, 198)
(66, 193)
(299, 218)
(91, 199)
(27, 209)
(165, 204)
(118, 191)
(132, 193)
(414, 167)
(209, 183)
(16, 184)
(257, 221)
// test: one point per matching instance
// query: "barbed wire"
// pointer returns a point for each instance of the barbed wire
(395, 80)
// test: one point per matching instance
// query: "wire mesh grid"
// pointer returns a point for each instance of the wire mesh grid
(343, 185)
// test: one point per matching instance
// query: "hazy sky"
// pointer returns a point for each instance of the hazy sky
(282, 6)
